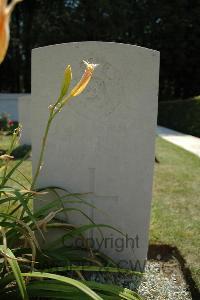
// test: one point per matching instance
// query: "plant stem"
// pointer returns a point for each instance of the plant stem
(14, 137)
(53, 113)
(44, 140)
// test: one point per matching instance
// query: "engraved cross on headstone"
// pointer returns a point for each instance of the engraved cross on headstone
(93, 194)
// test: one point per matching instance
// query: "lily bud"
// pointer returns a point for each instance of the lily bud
(5, 14)
(81, 85)
(66, 82)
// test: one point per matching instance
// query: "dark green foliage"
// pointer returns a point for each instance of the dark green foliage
(4, 122)
(183, 116)
(172, 27)
(21, 151)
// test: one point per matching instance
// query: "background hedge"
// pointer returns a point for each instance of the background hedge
(183, 116)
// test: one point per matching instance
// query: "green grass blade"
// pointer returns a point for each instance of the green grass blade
(25, 177)
(16, 181)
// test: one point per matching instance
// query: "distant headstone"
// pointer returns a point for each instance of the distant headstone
(103, 142)
(24, 105)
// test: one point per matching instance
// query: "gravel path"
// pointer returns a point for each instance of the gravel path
(163, 281)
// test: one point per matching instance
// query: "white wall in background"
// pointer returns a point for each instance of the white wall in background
(8, 104)
(24, 108)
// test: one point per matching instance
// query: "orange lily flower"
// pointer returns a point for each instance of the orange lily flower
(81, 85)
(5, 14)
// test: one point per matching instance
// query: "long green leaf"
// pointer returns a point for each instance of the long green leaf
(59, 291)
(20, 224)
(93, 269)
(21, 197)
(106, 291)
(16, 271)
(124, 293)
(79, 231)
(67, 280)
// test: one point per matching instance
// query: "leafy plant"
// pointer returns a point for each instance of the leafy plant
(57, 271)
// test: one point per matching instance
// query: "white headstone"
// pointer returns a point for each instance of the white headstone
(24, 106)
(103, 141)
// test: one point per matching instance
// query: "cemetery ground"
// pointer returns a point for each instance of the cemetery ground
(174, 217)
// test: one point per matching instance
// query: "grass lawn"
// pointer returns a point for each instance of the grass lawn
(176, 203)
(176, 206)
